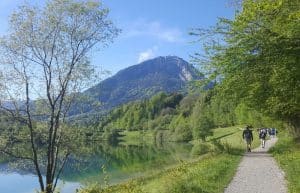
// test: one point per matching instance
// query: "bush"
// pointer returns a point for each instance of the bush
(200, 149)
(183, 133)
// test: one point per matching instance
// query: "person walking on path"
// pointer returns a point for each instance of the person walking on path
(262, 136)
(273, 132)
(248, 137)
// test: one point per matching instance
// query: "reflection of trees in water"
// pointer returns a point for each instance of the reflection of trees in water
(17, 148)
(86, 161)
(122, 159)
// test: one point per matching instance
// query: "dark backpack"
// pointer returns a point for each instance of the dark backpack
(262, 134)
(247, 134)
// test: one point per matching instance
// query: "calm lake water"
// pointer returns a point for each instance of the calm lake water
(121, 162)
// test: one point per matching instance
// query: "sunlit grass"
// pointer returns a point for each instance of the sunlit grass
(136, 137)
(235, 138)
(210, 175)
(232, 136)
(287, 154)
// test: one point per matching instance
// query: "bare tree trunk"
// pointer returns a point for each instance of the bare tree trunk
(30, 126)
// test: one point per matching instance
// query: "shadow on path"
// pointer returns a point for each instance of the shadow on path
(257, 154)
(217, 138)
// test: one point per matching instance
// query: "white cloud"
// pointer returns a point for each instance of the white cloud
(147, 54)
(154, 29)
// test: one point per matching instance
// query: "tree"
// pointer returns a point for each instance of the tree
(255, 57)
(45, 56)
(202, 118)
(182, 130)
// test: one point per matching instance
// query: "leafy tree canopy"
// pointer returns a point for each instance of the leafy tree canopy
(255, 57)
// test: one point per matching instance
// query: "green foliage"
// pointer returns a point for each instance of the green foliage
(222, 110)
(201, 119)
(200, 148)
(189, 117)
(256, 61)
(183, 131)
(161, 112)
(140, 115)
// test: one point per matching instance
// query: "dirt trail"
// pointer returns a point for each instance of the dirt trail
(258, 173)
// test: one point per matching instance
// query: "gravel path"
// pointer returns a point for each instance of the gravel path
(258, 173)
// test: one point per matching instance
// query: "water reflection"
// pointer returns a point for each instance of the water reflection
(18, 183)
(121, 162)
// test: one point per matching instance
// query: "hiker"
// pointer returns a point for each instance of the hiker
(262, 136)
(248, 137)
(273, 132)
(270, 132)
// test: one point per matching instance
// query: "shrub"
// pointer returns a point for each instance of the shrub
(200, 149)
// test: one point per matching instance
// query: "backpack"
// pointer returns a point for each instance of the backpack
(247, 134)
(262, 134)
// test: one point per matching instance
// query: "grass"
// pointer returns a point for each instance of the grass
(287, 154)
(232, 136)
(211, 174)
(137, 137)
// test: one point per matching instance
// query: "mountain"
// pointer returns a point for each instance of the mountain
(168, 74)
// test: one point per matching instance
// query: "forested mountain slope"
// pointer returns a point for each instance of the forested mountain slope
(168, 74)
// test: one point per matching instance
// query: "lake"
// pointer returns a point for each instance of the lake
(117, 163)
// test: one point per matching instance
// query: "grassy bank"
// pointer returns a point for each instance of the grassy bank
(287, 154)
(210, 175)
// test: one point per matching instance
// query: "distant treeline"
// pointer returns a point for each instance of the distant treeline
(182, 118)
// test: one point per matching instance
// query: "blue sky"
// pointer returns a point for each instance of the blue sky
(150, 28)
